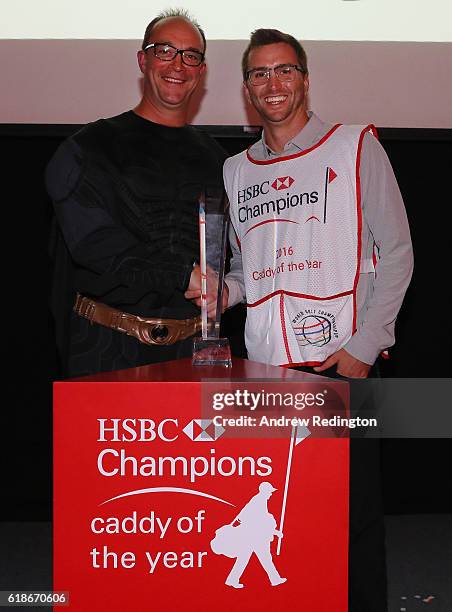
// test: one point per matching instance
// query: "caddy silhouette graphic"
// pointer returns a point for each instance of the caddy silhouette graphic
(254, 531)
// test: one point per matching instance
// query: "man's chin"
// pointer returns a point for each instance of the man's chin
(175, 101)
(275, 117)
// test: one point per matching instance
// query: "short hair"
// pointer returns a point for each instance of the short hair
(177, 12)
(262, 37)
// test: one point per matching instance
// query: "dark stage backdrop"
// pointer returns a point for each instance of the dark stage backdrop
(413, 469)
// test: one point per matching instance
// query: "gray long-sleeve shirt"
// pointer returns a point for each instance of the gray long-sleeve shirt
(379, 295)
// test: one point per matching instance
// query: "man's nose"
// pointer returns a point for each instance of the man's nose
(273, 81)
(177, 62)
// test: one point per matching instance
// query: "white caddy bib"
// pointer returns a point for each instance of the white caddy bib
(298, 221)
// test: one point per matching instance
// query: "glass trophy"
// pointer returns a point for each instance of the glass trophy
(210, 349)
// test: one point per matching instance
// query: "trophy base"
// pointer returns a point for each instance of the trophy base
(211, 352)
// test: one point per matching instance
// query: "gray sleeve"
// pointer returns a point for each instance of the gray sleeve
(385, 216)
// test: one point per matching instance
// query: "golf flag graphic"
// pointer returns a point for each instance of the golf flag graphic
(331, 175)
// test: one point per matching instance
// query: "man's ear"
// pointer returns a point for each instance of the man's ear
(247, 93)
(142, 60)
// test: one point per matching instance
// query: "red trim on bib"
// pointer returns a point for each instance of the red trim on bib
(293, 294)
(283, 327)
(302, 363)
(294, 155)
(372, 128)
(269, 221)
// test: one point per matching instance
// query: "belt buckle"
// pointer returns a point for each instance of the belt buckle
(158, 333)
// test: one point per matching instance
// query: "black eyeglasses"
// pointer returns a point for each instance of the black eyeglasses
(167, 53)
(283, 72)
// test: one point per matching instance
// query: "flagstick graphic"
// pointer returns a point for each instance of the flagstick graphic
(326, 193)
(298, 435)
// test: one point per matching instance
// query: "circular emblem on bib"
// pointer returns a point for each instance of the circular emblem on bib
(314, 330)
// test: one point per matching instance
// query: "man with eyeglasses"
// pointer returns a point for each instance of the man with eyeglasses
(322, 256)
(125, 193)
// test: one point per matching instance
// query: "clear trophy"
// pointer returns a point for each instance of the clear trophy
(210, 349)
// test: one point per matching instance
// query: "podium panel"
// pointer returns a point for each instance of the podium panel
(146, 493)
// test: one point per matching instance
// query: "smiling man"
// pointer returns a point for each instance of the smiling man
(322, 256)
(171, 67)
(125, 193)
(325, 254)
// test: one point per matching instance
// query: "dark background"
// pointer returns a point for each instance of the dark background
(414, 471)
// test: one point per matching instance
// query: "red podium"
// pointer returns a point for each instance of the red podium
(142, 484)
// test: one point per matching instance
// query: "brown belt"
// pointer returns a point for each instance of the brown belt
(149, 331)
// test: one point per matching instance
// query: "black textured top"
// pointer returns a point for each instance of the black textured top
(125, 193)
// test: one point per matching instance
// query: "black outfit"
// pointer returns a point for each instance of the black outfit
(367, 583)
(125, 193)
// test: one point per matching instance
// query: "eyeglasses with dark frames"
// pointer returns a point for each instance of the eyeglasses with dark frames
(166, 53)
(283, 72)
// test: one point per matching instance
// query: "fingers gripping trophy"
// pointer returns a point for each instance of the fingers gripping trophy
(210, 349)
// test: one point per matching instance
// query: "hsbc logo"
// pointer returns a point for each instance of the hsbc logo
(203, 430)
(283, 182)
(253, 191)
